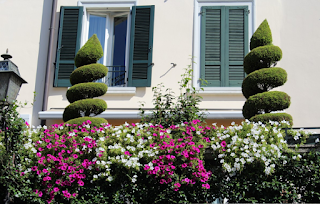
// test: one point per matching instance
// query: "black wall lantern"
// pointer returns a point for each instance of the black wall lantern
(10, 79)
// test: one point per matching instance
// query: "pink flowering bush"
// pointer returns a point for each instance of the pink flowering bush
(69, 158)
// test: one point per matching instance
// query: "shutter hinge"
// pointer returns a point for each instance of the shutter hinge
(59, 48)
(202, 12)
(248, 11)
(131, 12)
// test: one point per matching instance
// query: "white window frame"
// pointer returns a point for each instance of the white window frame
(87, 4)
(197, 41)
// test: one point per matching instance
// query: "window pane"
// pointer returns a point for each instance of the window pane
(119, 50)
(97, 25)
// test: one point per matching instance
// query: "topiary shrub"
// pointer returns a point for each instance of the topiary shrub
(88, 73)
(265, 118)
(261, 57)
(86, 90)
(262, 77)
(263, 80)
(95, 122)
(84, 107)
(262, 36)
(90, 53)
(81, 94)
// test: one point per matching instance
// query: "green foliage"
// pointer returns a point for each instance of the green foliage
(86, 90)
(262, 36)
(265, 118)
(88, 73)
(170, 109)
(95, 122)
(265, 103)
(84, 107)
(263, 80)
(261, 57)
(13, 186)
(90, 53)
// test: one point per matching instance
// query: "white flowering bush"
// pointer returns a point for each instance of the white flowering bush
(237, 145)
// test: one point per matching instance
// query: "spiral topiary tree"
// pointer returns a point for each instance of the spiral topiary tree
(82, 105)
(262, 76)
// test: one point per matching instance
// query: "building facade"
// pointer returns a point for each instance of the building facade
(148, 42)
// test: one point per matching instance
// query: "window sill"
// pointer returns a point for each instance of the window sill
(220, 91)
(121, 91)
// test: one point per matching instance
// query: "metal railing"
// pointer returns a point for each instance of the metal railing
(116, 76)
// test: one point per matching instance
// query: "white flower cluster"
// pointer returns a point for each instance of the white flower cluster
(249, 142)
(126, 147)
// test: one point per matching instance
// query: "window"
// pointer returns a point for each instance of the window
(224, 43)
(221, 41)
(126, 36)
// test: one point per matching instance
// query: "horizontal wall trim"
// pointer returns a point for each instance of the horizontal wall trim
(136, 114)
(220, 90)
(121, 90)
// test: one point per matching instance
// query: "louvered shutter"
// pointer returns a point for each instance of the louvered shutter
(237, 44)
(68, 44)
(211, 45)
(141, 42)
(224, 43)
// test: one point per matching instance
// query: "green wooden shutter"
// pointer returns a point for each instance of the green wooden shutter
(68, 44)
(224, 43)
(237, 44)
(141, 42)
(211, 46)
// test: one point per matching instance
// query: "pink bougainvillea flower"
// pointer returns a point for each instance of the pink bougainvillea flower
(162, 181)
(184, 165)
(146, 167)
(127, 153)
(40, 194)
(56, 189)
(34, 168)
(223, 144)
(81, 183)
(207, 186)
(75, 156)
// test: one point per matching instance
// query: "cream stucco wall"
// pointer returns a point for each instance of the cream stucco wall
(295, 25)
(25, 31)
